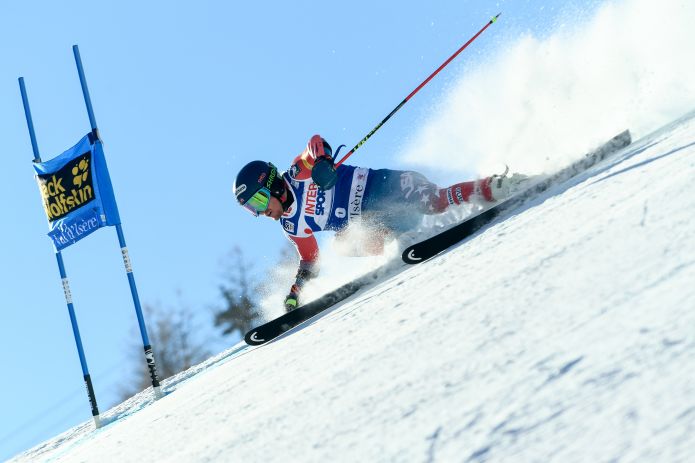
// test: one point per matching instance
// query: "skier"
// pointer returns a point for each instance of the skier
(313, 196)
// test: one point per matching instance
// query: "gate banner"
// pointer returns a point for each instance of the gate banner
(76, 191)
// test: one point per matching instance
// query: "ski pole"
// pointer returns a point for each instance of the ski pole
(400, 105)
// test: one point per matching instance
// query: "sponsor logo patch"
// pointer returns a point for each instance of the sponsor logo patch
(357, 189)
(315, 198)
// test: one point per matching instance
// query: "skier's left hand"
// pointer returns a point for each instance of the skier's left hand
(323, 173)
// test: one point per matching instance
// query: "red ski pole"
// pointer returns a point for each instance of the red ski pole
(400, 105)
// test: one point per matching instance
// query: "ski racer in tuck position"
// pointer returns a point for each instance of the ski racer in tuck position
(313, 196)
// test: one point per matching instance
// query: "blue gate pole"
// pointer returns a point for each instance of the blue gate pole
(149, 355)
(63, 275)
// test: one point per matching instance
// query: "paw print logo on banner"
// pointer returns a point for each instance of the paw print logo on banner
(80, 173)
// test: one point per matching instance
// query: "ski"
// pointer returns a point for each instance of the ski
(426, 249)
(274, 328)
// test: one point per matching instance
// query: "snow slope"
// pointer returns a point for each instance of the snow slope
(565, 332)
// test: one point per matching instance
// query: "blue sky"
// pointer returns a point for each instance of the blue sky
(184, 94)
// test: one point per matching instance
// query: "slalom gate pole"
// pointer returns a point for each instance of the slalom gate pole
(149, 355)
(400, 105)
(63, 275)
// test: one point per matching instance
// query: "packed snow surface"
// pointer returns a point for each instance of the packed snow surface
(562, 332)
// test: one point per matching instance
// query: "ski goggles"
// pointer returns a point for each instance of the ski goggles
(258, 203)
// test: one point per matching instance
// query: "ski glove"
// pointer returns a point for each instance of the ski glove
(292, 299)
(291, 302)
(323, 174)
